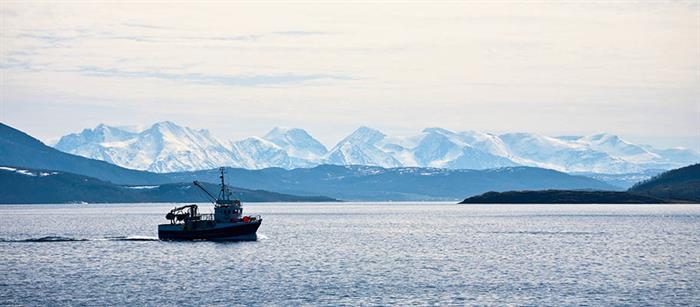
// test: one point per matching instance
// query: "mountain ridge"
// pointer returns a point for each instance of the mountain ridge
(33, 186)
(364, 183)
(171, 148)
(373, 183)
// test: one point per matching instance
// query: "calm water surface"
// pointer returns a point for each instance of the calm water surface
(357, 253)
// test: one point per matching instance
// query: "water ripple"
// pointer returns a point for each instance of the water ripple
(52, 239)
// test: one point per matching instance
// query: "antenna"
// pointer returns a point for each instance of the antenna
(224, 189)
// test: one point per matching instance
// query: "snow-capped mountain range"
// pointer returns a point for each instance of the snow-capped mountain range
(167, 147)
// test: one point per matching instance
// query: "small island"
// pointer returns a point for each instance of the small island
(561, 197)
(680, 185)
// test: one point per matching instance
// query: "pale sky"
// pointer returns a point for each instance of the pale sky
(240, 69)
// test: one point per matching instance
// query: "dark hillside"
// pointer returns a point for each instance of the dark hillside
(678, 184)
(32, 186)
(370, 183)
(21, 150)
(561, 197)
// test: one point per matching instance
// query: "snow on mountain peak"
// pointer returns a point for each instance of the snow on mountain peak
(615, 146)
(364, 135)
(603, 139)
(568, 138)
(288, 133)
(360, 148)
(166, 127)
(166, 147)
(255, 153)
(100, 134)
(276, 131)
(297, 142)
(438, 131)
(166, 124)
(486, 142)
(289, 136)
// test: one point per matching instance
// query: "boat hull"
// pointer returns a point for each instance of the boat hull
(242, 231)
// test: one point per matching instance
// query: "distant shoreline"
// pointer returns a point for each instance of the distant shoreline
(335, 203)
(565, 197)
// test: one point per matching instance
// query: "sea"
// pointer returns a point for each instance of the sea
(336, 254)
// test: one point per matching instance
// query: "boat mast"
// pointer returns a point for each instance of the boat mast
(224, 190)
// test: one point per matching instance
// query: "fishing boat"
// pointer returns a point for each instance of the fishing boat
(227, 223)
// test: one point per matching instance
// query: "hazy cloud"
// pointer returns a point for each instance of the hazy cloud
(549, 67)
(233, 80)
